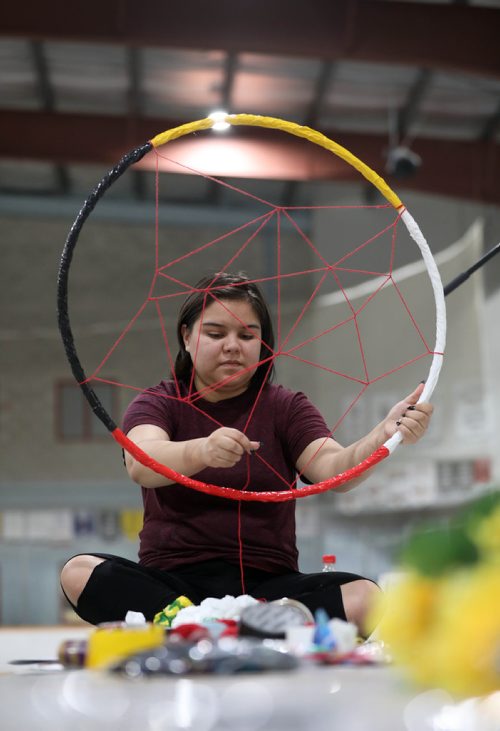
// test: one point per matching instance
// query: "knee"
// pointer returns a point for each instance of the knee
(75, 574)
(359, 599)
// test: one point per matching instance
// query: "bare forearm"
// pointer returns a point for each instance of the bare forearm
(183, 457)
(322, 459)
(356, 453)
(223, 448)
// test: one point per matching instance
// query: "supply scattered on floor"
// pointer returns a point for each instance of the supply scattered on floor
(228, 635)
(111, 642)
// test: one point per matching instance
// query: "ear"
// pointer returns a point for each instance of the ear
(186, 336)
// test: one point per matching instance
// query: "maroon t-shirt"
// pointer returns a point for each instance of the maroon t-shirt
(184, 526)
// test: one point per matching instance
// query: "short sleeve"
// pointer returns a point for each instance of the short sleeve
(152, 406)
(302, 423)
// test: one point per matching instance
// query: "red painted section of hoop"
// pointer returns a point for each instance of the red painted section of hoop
(228, 492)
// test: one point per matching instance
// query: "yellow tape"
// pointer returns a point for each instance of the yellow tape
(291, 128)
(184, 129)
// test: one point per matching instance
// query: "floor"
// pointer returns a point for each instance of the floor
(316, 698)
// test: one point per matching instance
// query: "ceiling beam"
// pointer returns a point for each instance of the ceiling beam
(409, 113)
(457, 168)
(214, 191)
(43, 85)
(322, 85)
(134, 103)
(47, 100)
(491, 126)
(226, 92)
(445, 36)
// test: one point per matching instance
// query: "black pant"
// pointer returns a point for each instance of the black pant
(118, 585)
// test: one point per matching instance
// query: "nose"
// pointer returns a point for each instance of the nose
(231, 343)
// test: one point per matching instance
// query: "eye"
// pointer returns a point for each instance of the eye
(215, 335)
(246, 336)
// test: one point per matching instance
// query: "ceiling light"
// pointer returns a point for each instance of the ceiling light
(219, 118)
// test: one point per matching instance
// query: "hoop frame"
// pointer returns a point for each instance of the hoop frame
(68, 340)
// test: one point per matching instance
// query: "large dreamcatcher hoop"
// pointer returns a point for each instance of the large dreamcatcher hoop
(97, 407)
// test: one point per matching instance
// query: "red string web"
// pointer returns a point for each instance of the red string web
(275, 244)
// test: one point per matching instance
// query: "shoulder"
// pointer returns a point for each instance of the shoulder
(286, 397)
(277, 392)
(288, 406)
(154, 405)
(164, 389)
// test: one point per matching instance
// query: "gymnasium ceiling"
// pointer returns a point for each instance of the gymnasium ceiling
(81, 83)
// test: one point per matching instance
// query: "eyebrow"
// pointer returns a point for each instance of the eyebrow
(250, 326)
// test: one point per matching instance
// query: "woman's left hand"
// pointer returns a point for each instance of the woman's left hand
(409, 417)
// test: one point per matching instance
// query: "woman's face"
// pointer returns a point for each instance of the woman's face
(224, 344)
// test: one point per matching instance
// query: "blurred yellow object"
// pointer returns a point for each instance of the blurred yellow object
(109, 644)
(445, 632)
(441, 620)
(466, 635)
(408, 608)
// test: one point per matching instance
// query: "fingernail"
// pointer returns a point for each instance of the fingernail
(422, 381)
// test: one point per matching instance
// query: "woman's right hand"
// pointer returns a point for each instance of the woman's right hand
(225, 447)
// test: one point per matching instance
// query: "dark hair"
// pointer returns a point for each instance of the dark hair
(225, 286)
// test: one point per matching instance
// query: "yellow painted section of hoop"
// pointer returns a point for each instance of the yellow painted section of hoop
(291, 128)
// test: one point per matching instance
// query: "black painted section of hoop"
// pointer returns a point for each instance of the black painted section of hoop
(63, 277)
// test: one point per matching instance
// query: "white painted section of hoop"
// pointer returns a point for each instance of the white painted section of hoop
(440, 341)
